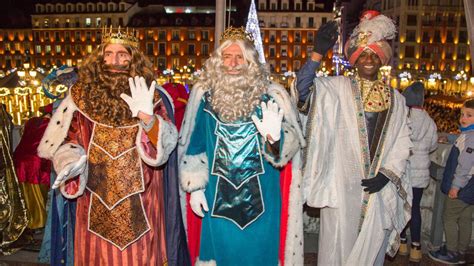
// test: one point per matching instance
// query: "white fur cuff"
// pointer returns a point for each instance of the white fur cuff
(205, 262)
(289, 149)
(66, 154)
(194, 172)
(167, 139)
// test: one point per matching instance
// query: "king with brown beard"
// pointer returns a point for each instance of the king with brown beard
(239, 134)
(112, 144)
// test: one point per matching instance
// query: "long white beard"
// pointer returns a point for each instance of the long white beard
(233, 97)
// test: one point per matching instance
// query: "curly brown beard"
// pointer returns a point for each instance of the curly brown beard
(101, 87)
(102, 97)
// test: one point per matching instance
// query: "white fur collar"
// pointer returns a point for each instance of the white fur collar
(275, 90)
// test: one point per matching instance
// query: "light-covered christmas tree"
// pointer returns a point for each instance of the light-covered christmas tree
(254, 29)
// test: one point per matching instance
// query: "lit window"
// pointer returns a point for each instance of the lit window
(89, 49)
(205, 49)
(38, 49)
(205, 35)
(58, 49)
(175, 48)
(162, 48)
(161, 63)
(88, 22)
(175, 62)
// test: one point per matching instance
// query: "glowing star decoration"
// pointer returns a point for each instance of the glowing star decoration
(254, 29)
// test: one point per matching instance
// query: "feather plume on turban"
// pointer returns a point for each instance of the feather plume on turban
(372, 33)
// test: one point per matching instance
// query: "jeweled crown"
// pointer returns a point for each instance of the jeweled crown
(232, 33)
(120, 36)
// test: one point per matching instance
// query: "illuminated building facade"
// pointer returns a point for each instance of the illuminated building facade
(432, 39)
(172, 34)
(15, 46)
(64, 32)
(288, 29)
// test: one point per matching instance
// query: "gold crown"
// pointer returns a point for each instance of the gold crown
(232, 33)
(128, 37)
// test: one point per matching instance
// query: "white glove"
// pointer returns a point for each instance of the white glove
(197, 200)
(70, 170)
(142, 96)
(270, 125)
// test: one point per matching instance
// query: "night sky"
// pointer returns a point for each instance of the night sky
(17, 12)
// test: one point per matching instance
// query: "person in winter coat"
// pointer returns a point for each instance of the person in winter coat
(424, 138)
(458, 185)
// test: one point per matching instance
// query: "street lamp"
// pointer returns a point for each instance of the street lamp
(405, 77)
(433, 80)
(469, 93)
(461, 76)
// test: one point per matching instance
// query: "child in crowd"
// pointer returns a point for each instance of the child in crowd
(424, 137)
(458, 184)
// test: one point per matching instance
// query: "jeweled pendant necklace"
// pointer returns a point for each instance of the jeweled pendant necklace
(374, 96)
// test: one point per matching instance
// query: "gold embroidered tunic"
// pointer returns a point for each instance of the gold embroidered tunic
(122, 214)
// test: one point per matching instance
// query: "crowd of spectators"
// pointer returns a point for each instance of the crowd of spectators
(445, 112)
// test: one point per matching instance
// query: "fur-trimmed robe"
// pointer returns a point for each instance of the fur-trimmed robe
(159, 196)
(195, 173)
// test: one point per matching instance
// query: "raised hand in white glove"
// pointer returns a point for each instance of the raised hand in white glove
(197, 200)
(270, 125)
(70, 170)
(142, 96)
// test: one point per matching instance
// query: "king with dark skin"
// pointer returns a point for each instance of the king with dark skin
(368, 65)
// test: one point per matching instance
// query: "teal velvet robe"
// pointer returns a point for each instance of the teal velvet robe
(223, 240)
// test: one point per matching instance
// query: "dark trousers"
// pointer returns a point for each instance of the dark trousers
(415, 222)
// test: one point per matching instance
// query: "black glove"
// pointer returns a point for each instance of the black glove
(375, 184)
(326, 37)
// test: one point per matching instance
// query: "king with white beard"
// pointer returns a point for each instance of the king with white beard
(239, 134)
